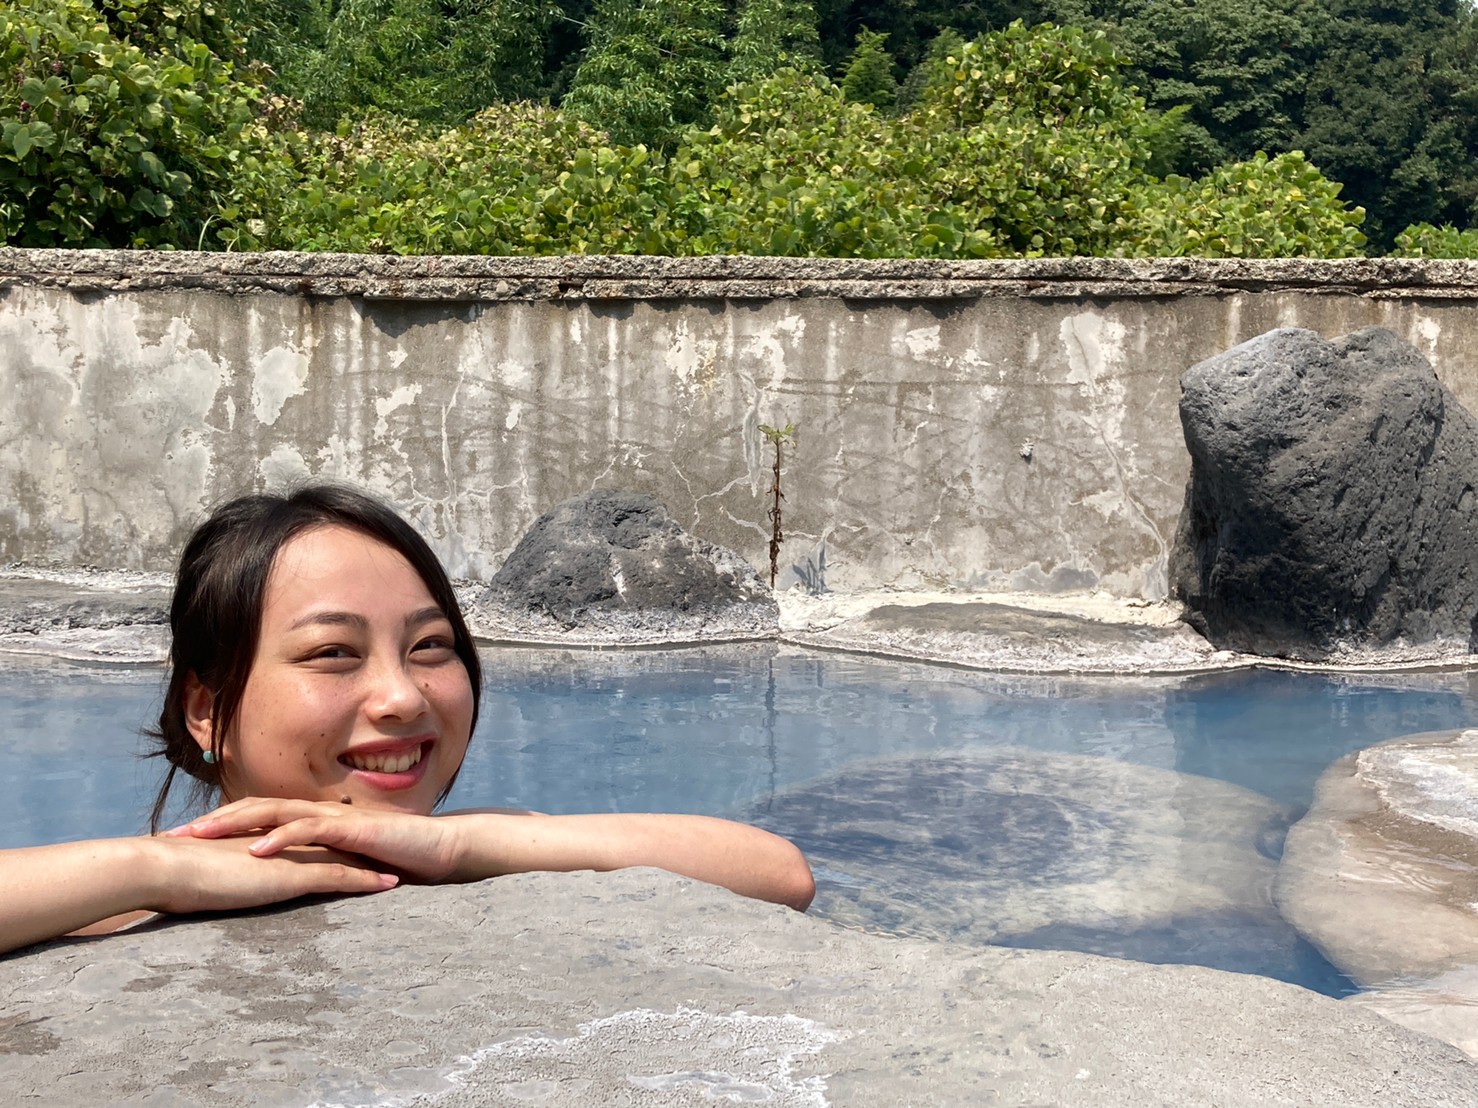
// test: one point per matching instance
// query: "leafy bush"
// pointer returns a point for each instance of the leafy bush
(1261, 208)
(790, 167)
(1035, 133)
(117, 127)
(515, 179)
(1422, 240)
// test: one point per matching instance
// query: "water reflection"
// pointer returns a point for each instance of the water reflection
(1265, 729)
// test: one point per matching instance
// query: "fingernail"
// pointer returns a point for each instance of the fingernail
(259, 846)
(176, 832)
(388, 880)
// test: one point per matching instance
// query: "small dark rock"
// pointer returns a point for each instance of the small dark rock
(617, 562)
(1331, 503)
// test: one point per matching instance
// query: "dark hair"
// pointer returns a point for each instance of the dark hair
(216, 615)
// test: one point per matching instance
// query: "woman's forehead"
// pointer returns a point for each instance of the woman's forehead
(337, 565)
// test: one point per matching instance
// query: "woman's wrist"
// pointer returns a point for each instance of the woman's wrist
(474, 849)
(149, 872)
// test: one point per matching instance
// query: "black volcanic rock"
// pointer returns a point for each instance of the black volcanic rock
(617, 562)
(1331, 501)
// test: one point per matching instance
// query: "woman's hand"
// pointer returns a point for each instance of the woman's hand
(96, 884)
(202, 875)
(421, 848)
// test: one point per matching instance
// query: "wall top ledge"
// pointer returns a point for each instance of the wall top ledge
(624, 277)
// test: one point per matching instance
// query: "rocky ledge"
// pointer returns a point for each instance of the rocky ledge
(642, 988)
(1382, 876)
(95, 615)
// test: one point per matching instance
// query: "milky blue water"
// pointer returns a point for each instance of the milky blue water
(749, 732)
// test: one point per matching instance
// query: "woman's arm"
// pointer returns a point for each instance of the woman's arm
(51, 891)
(743, 859)
(469, 846)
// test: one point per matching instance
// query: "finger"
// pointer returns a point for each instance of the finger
(334, 877)
(309, 831)
(236, 806)
(250, 815)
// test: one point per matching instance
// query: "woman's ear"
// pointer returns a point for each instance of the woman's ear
(199, 702)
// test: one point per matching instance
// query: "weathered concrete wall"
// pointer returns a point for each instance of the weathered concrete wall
(986, 425)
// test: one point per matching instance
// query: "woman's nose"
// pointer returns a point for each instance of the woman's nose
(394, 693)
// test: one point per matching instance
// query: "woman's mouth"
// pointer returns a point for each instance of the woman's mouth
(397, 762)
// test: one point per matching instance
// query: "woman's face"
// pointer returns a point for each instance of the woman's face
(355, 690)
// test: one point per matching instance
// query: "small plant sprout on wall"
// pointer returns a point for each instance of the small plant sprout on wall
(777, 437)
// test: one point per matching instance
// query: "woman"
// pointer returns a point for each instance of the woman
(323, 689)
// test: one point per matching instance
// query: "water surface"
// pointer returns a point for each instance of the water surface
(916, 789)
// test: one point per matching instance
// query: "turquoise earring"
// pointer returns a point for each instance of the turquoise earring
(208, 757)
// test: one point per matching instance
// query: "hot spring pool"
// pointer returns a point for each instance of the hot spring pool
(1140, 818)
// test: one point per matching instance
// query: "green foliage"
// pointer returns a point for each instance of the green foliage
(773, 35)
(1037, 133)
(869, 73)
(1261, 208)
(652, 69)
(1029, 144)
(117, 127)
(158, 26)
(1422, 240)
(392, 55)
(911, 26)
(1236, 69)
(1390, 111)
(496, 51)
(1027, 141)
(934, 70)
(515, 179)
(791, 167)
(434, 60)
(1381, 94)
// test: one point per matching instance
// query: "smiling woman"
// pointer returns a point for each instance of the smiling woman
(323, 690)
(356, 691)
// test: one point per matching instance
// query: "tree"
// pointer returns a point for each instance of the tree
(435, 60)
(1235, 69)
(284, 37)
(393, 55)
(869, 73)
(773, 35)
(1390, 111)
(911, 26)
(652, 69)
(933, 70)
(497, 51)
(1381, 94)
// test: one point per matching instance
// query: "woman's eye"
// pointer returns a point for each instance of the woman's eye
(434, 643)
(331, 652)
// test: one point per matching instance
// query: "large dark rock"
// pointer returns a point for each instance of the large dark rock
(616, 565)
(1331, 500)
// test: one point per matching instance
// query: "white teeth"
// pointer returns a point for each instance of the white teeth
(385, 763)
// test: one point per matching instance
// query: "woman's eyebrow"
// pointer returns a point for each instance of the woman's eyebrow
(429, 614)
(332, 619)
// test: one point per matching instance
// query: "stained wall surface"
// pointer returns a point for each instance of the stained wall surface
(989, 425)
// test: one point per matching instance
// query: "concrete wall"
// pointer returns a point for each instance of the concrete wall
(986, 425)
